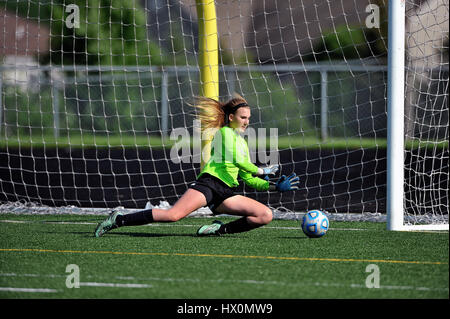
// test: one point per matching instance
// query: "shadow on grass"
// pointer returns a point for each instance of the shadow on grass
(129, 234)
(133, 234)
(155, 235)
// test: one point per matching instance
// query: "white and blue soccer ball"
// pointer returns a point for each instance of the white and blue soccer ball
(315, 224)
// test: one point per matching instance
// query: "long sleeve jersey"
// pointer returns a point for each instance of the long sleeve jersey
(230, 158)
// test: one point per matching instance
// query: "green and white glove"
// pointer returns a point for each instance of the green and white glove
(269, 170)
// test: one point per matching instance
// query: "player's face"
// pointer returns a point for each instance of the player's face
(240, 119)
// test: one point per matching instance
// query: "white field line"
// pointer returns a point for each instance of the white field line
(84, 284)
(216, 281)
(13, 289)
(113, 285)
(278, 283)
(156, 225)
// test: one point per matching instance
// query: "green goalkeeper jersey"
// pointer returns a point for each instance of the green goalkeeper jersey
(230, 158)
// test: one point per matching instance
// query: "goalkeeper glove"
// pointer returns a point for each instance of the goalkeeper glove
(269, 170)
(287, 183)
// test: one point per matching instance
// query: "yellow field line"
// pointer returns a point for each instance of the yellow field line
(223, 256)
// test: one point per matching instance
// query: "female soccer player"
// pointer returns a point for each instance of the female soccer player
(215, 185)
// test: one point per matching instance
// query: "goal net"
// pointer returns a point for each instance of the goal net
(426, 114)
(94, 108)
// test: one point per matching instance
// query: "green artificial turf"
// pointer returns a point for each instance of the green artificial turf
(169, 261)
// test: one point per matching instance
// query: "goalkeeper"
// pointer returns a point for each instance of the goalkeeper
(217, 181)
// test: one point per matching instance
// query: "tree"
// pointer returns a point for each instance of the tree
(110, 32)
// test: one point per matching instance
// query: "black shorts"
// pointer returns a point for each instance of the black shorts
(214, 190)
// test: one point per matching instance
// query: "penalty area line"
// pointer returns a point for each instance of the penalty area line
(125, 253)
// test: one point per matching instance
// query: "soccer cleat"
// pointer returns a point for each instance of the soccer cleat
(210, 230)
(148, 205)
(108, 224)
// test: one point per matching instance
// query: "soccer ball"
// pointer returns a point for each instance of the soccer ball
(315, 224)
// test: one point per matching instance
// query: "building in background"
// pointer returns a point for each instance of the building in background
(22, 42)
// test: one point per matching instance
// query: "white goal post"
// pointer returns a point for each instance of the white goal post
(395, 108)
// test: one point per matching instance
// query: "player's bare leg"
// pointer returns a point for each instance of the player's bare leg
(189, 202)
(254, 215)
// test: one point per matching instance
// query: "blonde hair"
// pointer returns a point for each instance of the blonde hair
(214, 114)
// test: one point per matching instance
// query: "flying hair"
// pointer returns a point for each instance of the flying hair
(214, 114)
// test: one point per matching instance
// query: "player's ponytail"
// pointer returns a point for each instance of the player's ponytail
(214, 114)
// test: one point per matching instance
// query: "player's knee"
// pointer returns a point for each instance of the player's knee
(174, 215)
(266, 216)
